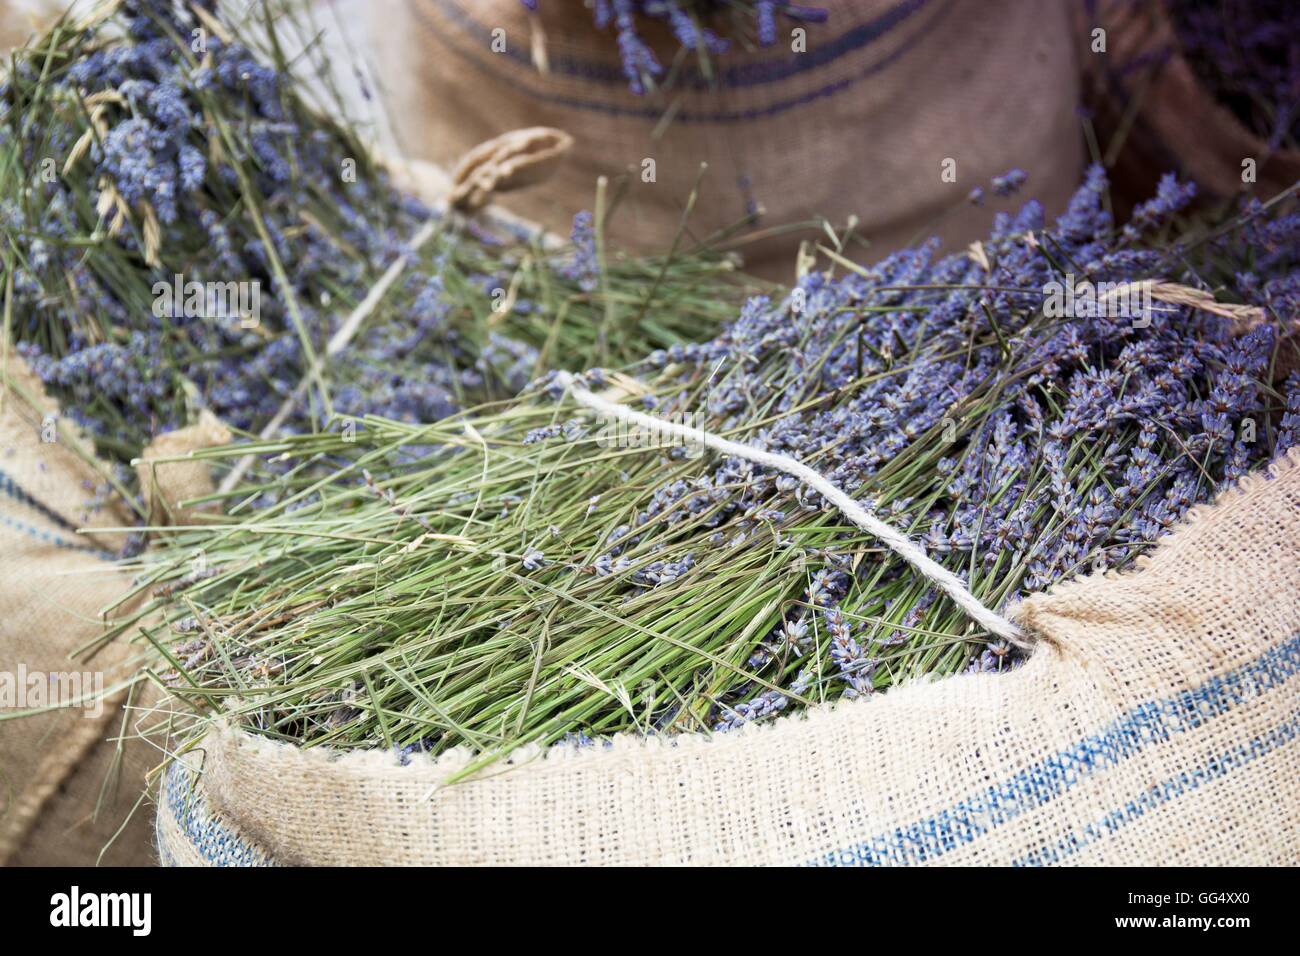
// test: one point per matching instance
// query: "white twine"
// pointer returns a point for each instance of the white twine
(897, 542)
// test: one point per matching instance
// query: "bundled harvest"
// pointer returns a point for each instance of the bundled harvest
(690, 22)
(548, 576)
(189, 230)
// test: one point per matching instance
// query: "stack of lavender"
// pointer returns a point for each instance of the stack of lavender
(148, 152)
(560, 579)
(128, 181)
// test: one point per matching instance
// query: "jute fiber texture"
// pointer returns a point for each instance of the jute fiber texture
(67, 783)
(1156, 723)
(858, 124)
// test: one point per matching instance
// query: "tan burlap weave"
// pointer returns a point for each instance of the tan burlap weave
(1155, 724)
(859, 124)
(165, 483)
(66, 786)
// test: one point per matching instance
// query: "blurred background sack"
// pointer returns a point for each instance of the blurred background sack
(69, 786)
(859, 124)
(19, 18)
(1209, 90)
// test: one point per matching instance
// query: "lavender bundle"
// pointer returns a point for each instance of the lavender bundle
(690, 23)
(184, 229)
(549, 578)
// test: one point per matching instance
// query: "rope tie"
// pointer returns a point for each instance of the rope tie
(895, 540)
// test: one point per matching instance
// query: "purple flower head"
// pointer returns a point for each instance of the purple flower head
(1009, 182)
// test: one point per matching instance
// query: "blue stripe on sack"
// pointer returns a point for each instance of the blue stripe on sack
(1162, 793)
(1150, 723)
(741, 76)
(1147, 724)
(49, 537)
(687, 116)
(820, 55)
(209, 837)
(12, 489)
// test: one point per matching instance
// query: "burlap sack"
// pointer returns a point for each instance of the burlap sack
(1155, 724)
(21, 19)
(860, 124)
(165, 482)
(68, 785)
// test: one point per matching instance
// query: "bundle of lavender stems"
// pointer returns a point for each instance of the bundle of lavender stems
(1047, 404)
(189, 221)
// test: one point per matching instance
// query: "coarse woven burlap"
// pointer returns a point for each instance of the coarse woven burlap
(1155, 724)
(67, 784)
(21, 19)
(857, 125)
(165, 482)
